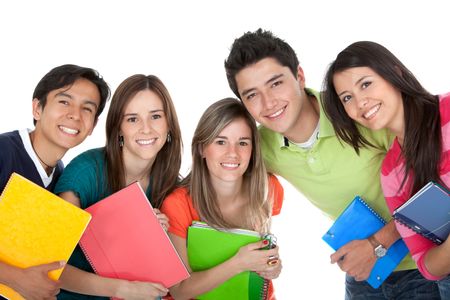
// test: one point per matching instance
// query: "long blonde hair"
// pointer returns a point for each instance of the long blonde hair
(257, 210)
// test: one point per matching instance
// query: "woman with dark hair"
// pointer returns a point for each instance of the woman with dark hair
(369, 86)
(228, 187)
(143, 143)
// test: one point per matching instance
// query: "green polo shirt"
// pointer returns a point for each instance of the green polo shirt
(331, 174)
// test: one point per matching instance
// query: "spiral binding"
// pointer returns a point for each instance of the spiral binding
(272, 244)
(403, 223)
(371, 209)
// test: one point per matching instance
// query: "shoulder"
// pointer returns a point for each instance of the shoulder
(10, 142)
(444, 107)
(179, 209)
(276, 193)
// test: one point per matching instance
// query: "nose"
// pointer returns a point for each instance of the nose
(362, 101)
(146, 127)
(269, 100)
(232, 150)
(74, 113)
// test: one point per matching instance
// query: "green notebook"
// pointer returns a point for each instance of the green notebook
(208, 247)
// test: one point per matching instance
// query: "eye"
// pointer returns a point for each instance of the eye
(64, 102)
(251, 96)
(220, 142)
(132, 119)
(156, 116)
(346, 98)
(366, 84)
(276, 83)
(88, 109)
(243, 143)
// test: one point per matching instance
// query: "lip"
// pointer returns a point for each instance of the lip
(370, 114)
(276, 114)
(230, 166)
(68, 130)
(146, 142)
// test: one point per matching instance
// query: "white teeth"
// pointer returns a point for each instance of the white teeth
(68, 130)
(372, 111)
(146, 142)
(277, 113)
(229, 165)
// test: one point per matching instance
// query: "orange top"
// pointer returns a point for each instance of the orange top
(178, 207)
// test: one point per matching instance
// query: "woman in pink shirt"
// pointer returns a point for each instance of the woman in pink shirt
(368, 85)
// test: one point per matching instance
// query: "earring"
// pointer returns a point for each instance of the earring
(169, 137)
(120, 141)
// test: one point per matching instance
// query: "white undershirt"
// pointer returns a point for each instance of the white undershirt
(312, 139)
(25, 136)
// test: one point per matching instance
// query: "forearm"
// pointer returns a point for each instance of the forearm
(204, 281)
(437, 260)
(8, 274)
(79, 281)
(387, 235)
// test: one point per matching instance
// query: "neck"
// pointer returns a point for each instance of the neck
(307, 120)
(227, 192)
(397, 126)
(137, 171)
(47, 154)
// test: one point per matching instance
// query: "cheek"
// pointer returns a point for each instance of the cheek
(351, 111)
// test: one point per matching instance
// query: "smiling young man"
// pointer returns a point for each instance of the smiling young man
(66, 104)
(299, 144)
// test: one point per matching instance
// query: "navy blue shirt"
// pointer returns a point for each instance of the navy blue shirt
(14, 158)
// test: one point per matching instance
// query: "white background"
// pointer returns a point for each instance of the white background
(185, 44)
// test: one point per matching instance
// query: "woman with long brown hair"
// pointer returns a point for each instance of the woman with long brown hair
(367, 85)
(228, 187)
(143, 143)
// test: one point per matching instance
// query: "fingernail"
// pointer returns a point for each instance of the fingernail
(265, 242)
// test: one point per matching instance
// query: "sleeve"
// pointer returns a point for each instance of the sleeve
(176, 208)
(81, 177)
(277, 194)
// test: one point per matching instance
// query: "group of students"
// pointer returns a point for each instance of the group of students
(373, 117)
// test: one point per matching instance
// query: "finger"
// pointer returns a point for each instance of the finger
(160, 287)
(157, 211)
(52, 266)
(338, 255)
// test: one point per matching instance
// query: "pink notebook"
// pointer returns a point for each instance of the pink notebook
(125, 240)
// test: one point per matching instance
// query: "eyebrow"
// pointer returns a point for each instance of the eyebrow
(89, 102)
(272, 79)
(226, 138)
(151, 111)
(356, 83)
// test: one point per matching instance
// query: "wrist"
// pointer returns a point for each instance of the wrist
(379, 249)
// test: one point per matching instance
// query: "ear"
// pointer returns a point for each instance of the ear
(301, 77)
(37, 109)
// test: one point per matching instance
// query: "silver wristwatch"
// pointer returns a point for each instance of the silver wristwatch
(378, 249)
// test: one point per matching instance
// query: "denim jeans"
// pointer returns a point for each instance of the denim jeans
(407, 285)
(444, 288)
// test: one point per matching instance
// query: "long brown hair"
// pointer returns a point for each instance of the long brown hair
(258, 209)
(422, 144)
(165, 170)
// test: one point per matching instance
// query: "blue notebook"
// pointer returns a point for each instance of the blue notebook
(427, 213)
(359, 221)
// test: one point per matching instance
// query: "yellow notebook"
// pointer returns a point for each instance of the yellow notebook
(36, 227)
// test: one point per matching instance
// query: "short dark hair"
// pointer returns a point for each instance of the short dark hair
(253, 47)
(65, 75)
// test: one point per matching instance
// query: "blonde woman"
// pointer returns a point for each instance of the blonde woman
(228, 187)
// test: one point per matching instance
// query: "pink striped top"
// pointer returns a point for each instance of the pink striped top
(392, 172)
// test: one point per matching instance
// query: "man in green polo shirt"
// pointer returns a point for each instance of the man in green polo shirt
(299, 144)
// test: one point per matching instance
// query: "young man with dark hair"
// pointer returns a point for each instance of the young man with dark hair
(66, 104)
(299, 144)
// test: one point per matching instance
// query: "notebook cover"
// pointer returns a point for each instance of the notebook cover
(427, 213)
(358, 221)
(36, 227)
(125, 240)
(208, 247)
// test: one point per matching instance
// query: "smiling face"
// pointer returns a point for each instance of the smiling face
(68, 116)
(369, 99)
(144, 127)
(228, 156)
(272, 94)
